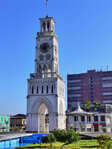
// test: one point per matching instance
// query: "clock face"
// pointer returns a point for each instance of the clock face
(44, 47)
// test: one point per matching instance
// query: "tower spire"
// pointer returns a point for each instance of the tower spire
(47, 7)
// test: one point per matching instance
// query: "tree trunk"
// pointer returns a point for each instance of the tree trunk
(63, 145)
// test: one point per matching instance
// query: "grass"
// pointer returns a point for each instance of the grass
(82, 144)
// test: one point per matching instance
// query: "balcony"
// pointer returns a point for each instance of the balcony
(45, 75)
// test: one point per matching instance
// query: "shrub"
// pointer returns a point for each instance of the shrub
(59, 134)
(45, 139)
(66, 136)
(49, 139)
(107, 145)
(103, 139)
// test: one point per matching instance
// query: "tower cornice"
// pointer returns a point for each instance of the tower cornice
(46, 34)
(47, 18)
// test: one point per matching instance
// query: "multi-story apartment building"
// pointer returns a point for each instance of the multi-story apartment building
(18, 121)
(91, 86)
(4, 123)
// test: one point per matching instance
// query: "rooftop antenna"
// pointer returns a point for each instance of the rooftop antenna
(107, 67)
(47, 7)
(101, 69)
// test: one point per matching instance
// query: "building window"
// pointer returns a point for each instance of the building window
(74, 88)
(91, 81)
(74, 80)
(96, 118)
(32, 90)
(88, 129)
(82, 118)
(41, 57)
(102, 109)
(47, 89)
(43, 26)
(75, 118)
(55, 51)
(96, 128)
(1, 119)
(91, 97)
(24, 122)
(52, 89)
(74, 95)
(91, 89)
(91, 93)
(4, 119)
(91, 85)
(106, 78)
(18, 122)
(107, 85)
(48, 26)
(91, 78)
(103, 118)
(13, 121)
(107, 93)
(76, 129)
(42, 90)
(108, 109)
(91, 100)
(48, 57)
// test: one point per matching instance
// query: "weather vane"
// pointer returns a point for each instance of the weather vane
(47, 7)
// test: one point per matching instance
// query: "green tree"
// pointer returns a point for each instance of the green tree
(96, 105)
(49, 139)
(87, 105)
(66, 136)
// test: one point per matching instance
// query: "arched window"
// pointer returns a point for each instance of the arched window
(48, 56)
(47, 89)
(41, 57)
(32, 90)
(44, 71)
(48, 26)
(49, 71)
(43, 26)
(52, 89)
(40, 69)
(42, 90)
(37, 89)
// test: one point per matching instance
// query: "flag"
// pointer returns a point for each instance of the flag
(46, 2)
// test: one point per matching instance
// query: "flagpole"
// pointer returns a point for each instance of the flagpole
(47, 10)
(47, 7)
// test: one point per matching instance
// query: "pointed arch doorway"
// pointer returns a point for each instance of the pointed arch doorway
(42, 113)
(43, 119)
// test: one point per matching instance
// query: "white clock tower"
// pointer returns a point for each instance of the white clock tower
(46, 89)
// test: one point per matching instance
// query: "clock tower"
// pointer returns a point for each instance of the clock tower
(46, 89)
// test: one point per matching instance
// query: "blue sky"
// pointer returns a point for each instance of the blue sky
(84, 29)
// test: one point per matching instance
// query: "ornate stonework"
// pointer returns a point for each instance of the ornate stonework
(46, 89)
